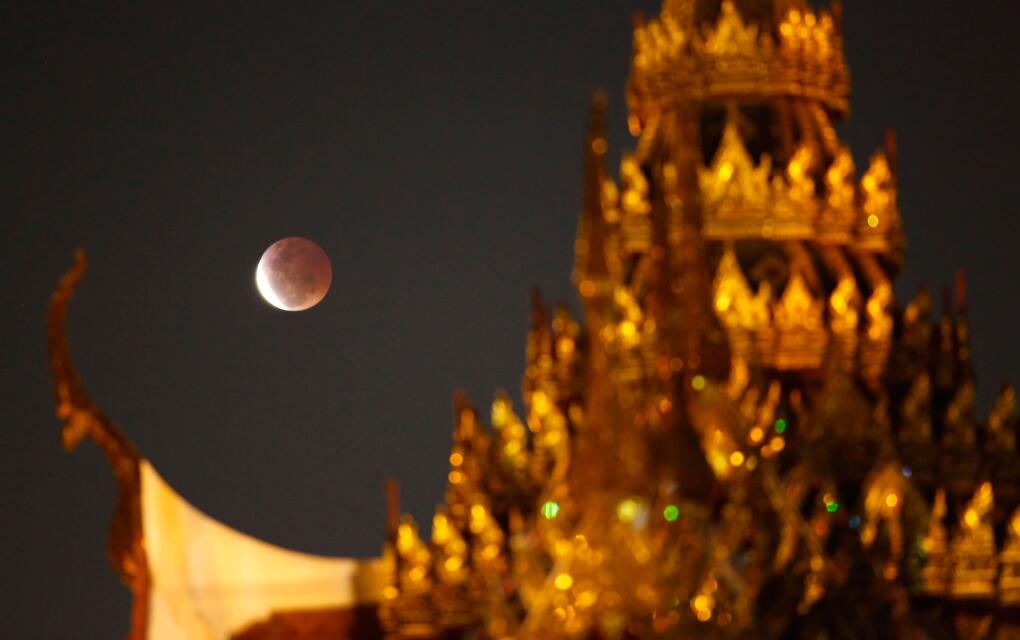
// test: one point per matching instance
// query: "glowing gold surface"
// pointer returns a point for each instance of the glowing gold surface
(746, 437)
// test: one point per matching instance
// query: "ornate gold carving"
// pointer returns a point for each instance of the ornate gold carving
(878, 337)
(411, 612)
(650, 494)
(1009, 580)
(1002, 421)
(82, 419)
(883, 502)
(934, 577)
(796, 338)
(742, 313)
(591, 270)
(512, 438)
(974, 553)
(840, 215)
(635, 223)
(733, 59)
(450, 549)
(731, 37)
(741, 201)
(879, 228)
(916, 427)
(844, 317)
(735, 191)
(960, 423)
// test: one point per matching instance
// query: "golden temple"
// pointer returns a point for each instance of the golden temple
(746, 437)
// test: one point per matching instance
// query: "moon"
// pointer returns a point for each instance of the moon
(293, 274)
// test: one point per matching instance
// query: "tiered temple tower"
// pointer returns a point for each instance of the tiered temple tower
(748, 437)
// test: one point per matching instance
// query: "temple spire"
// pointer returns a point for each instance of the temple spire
(590, 266)
(964, 359)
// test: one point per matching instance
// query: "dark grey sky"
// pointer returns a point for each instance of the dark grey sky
(433, 150)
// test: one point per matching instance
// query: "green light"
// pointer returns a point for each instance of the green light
(832, 507)
(550, 510)
(780, 426)
(671, 513)
(698, 382)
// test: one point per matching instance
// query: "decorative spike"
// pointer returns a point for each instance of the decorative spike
(569, 363)
(879, 228)
(961, 291)
(82, 418)
(392, 506)
(415, 571)
(844, 317)
(635, 208)
(1002, 421)
(960, 454)
(944, 357)
(513, 437)
(964, 357)
(916, 415)
(450, 549)
(934, 575)
(1009, 579)
(836, 9)
(590, 266)
(735, 191)
(839, 217)
(797, 337)
(741, 312)
(918, 310)
(487, 544)
(878, 337)
(974, 553)
(466, 426)
(891, 150)
(539, 351)
(960, 420)
(732, 34)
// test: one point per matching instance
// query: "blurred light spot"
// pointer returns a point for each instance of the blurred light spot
(550, 509)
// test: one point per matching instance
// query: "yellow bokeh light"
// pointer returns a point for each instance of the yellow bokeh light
(587, 598)
(725, 171)
(627, 510)
(564, 581)
(736, 458)
(891, 500)
(627, 330)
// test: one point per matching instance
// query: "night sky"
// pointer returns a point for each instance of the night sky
(433, 149)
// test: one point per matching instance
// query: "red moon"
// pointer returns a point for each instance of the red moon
(294, 274)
